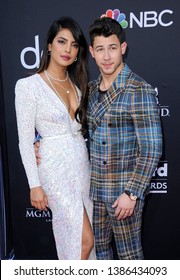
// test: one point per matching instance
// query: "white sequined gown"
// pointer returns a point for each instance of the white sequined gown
(64, 169)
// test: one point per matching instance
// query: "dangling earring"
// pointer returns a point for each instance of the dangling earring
(75, 59)
(48, 52)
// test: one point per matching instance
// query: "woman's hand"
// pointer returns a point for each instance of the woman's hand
(38, 198)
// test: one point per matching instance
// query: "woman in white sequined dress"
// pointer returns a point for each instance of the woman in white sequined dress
(47, 101)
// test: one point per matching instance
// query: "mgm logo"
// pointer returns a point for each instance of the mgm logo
(36, 214)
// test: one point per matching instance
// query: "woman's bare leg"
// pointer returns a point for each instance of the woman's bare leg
(87, 237)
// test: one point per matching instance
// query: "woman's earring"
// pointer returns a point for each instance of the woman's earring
(48, 52)
(75, 59)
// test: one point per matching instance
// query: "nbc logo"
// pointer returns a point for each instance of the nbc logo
(117, 15)
(143, 20)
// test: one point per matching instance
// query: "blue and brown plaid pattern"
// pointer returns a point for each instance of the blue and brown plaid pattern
(127, 232)
(125, 137)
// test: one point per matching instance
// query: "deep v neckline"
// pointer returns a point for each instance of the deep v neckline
(60, 99)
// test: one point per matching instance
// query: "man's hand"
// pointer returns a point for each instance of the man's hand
(124, 206)
(36, 149)
(38, 198)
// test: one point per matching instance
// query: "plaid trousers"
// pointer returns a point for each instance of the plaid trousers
(127, 232)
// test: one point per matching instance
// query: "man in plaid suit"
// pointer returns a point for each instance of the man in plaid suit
(125, 144)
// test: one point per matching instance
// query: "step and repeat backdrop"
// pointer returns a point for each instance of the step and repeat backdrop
(152, 34)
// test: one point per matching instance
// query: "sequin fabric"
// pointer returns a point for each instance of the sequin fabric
(64, 169)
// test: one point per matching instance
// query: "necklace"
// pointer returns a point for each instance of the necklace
(58, 94)
(49, 76)
(57, 79)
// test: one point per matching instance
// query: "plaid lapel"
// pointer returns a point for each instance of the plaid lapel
(97, 111)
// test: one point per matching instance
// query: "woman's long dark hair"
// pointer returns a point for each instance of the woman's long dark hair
(78, 70)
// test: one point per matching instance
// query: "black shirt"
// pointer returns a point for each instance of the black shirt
(101, 95)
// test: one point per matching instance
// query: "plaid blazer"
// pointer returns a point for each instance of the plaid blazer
(125, 137)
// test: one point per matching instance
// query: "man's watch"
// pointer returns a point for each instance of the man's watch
(131, 195)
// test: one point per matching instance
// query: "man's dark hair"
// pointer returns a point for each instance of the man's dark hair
(106, 27)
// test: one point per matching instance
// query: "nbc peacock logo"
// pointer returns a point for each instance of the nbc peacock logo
(118, 16)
